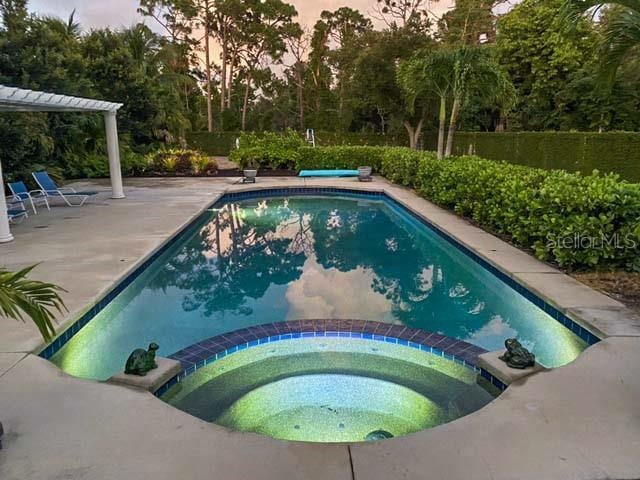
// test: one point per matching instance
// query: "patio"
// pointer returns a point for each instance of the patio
(578, 421)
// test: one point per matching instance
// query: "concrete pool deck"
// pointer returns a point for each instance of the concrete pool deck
(578, 421)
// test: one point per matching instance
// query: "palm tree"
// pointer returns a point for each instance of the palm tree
(430, 72)
(454, 73)
(475, 69)
(620, 30)
(20, 296)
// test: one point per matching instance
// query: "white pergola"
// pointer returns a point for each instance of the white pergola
(20, 100)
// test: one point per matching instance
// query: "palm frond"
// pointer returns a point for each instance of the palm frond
(621, 36)
(20, 297)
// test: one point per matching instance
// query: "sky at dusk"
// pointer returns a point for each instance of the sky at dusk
(118, 13)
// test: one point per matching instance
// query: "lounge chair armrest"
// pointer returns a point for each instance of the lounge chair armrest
(37, 193)
(67, 190)
(14, 200)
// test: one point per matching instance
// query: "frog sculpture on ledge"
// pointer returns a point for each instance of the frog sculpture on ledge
(141, 361)
(517, 356)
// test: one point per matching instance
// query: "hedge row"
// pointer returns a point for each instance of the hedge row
(572, 151)
(223, 143)
(347, 157)
(576, 221)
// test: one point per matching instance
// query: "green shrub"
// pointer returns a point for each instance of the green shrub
(609, 152)
(331, 158)
(180, 162)
(268, 150)
(400, 165)
(573, 220)
(223, 143)
(96, 165)
(213, 144)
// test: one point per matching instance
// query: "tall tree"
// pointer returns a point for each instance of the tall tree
(470, 22)
(266, 25)
(540, 60)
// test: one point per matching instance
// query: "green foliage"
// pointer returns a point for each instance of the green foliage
(576, 152)
(214, 144)
(96, 164)
(134, 66)
(223, 143)
(400, 165)
(37, 300)
(576, 221)
(343, 157)
(180, 162)
(268, 150)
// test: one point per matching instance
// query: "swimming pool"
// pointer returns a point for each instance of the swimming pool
(251, 261)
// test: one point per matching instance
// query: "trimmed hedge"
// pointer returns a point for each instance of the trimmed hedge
(576, 221)
(573, 220)
(572, 151)
(223, 143)
(268, 150)
(213, 144)
(331, 158)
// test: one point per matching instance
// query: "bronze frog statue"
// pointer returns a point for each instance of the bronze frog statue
(517, 356)
(141, 361)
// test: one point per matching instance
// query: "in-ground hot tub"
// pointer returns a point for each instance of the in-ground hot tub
(332, 387)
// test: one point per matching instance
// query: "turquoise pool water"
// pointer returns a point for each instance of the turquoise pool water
(266, 260)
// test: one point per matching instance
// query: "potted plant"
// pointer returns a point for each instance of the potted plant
(364, 174)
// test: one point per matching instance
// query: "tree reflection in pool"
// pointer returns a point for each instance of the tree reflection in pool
(266, 260)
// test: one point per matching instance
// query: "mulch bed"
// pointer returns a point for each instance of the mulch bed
(620, 285)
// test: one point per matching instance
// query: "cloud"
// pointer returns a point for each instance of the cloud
(321, 293)
(119, 13)
(112, 13)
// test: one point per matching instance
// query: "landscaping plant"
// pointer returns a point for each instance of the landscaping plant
(20, 297)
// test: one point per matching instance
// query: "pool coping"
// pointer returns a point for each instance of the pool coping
(569, 315)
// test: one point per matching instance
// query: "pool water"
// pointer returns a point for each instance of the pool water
(266, 260)
(331, 390)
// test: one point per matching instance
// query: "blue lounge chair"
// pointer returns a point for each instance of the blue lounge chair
(34, 197)
(51, 190)
(15, 209)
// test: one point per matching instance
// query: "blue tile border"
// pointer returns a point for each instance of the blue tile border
(65, 336)
(208, 351)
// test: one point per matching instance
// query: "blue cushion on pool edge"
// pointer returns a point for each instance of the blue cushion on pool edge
(328, 173)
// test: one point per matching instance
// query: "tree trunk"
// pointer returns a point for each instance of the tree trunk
(300, 86)
(442, 126)
(455, 110)
(232, 67)
(245, 103)
(223, 81)
(207, 55)
(414, 133)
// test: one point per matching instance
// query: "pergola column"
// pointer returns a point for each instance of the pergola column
(113, 150)
(5, 231)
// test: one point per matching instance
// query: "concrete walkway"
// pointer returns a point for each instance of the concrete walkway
(581, 421)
